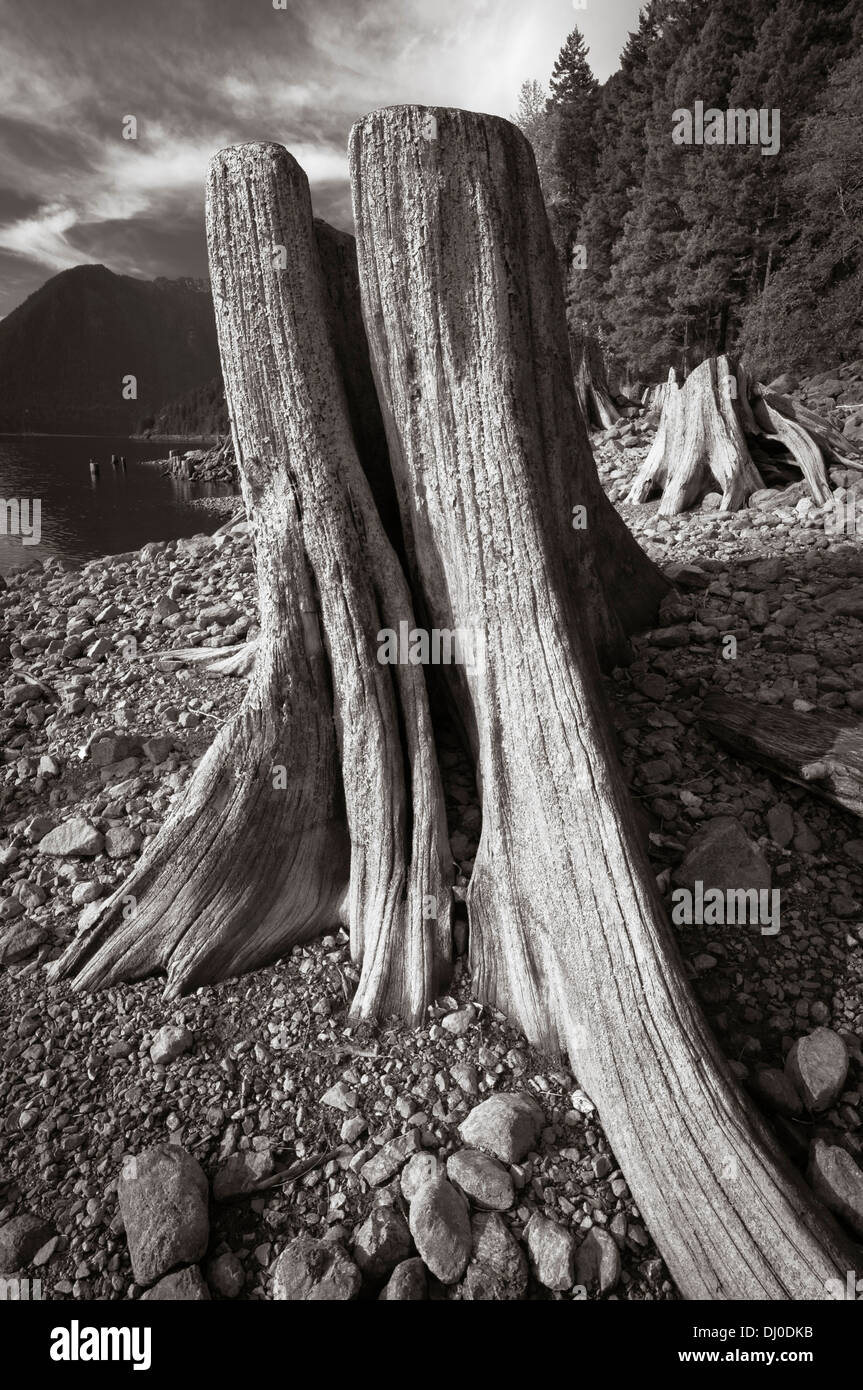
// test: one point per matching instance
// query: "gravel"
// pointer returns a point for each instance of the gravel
(262, 1077)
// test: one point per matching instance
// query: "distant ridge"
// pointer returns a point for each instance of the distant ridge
(65, 351)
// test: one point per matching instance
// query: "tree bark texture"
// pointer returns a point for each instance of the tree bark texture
(567, 936)
(322, 799)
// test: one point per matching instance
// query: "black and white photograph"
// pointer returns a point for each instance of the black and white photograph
(431, 674)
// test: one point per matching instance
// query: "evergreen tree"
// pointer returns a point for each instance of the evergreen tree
(647, 330)
(673, 252)
(619, 132)
(809, 312)
(533, 118)
(571, 112)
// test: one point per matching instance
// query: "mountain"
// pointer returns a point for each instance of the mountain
(64, 352)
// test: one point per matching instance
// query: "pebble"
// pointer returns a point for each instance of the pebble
(382, 1242)
(482, 1179)
(20, 1240)
(169, 1043)
(597, 1261)
(817, 1066)
(184, 1285)
(241, 1173)
(420, 1169)
(225, 1275)
(74, 839)
(838, 1181)
(498, 1269)
(389, 1159)
(407, 1283)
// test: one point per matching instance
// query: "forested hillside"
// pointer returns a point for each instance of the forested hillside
(201, 411)
(676, 251)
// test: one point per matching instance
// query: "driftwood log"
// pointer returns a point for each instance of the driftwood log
(821, 752)
(321, 801)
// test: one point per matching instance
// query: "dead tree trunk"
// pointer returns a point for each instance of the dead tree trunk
(322, 798)
(821, 752)
(701, 442)
(653, 398)
(567, 936)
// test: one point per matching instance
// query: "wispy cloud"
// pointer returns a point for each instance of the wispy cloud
(200, 74)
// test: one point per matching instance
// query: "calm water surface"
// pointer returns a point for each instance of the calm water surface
(83, 517)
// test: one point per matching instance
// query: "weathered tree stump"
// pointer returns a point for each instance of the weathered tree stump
(700, 446)
(567, 936)
(591, 380)
(321, 800)
(705, 433)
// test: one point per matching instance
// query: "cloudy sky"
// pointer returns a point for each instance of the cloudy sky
(199, 74)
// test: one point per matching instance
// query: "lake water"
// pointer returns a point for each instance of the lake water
(84, 517)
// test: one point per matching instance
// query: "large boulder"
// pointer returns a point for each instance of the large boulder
(721, 855)
(506, 1125)
(440, 1226)
(163, 1201)
(315, 1271)
(817, 1066)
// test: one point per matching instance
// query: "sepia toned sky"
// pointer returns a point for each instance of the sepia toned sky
(200, 74)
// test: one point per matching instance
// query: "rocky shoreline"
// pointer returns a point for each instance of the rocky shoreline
(214, 466)
(320, 1160)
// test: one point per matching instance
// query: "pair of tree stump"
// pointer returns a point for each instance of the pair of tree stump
(321, 801)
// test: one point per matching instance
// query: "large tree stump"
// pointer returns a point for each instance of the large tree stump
(567, 935)
(321, 800)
